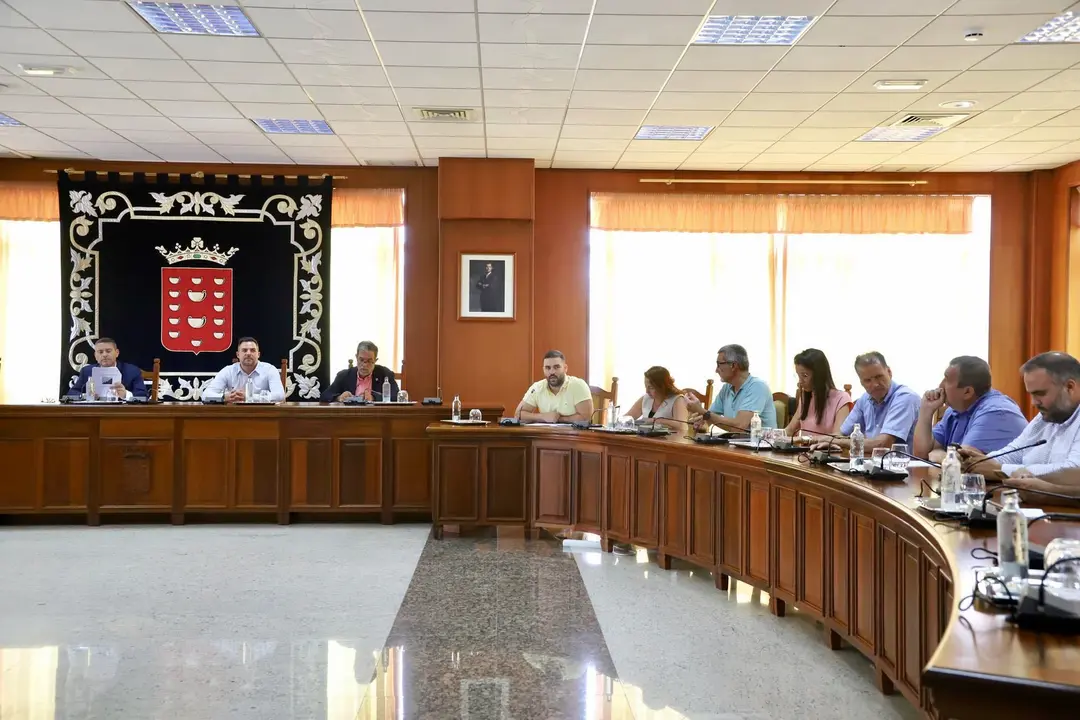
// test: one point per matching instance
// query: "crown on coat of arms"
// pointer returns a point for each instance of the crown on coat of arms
(196, 251)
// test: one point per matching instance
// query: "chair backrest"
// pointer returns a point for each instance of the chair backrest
(703, 398)
(782, 403)
(847, 388)
(285, 375)
(602, 397)
(152, 377)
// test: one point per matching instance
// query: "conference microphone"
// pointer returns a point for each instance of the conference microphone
(981, 516)
(822, 457)
(1004, 452)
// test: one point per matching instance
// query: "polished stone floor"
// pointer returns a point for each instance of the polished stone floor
(382, 623)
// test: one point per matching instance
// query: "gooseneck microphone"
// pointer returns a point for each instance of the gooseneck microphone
(983, 517)
(1002, 453)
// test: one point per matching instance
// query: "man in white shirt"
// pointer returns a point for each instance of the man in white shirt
(1053, 381)
(558, 397)
(229, 383)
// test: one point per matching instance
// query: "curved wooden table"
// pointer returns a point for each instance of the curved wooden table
(854, 554)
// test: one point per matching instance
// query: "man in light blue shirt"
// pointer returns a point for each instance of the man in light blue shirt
(740, 397)
(887, 410)
(977, 415)
(229, 383)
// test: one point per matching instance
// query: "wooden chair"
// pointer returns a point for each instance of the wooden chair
(152, 377)
(285, 375)
(706, 398)
(782, 403)
(847, 388)
(600, 395)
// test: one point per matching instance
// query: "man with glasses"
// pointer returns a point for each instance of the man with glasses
(739, 398)
(363, 381)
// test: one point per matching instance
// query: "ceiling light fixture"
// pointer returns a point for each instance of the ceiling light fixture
(1061, 29)
(958, 104)
(900, 134)
(195, 18)
(277, 126)
(673, 132)
(45, 70)
(900, 85)
(753, 29)
(973, 36)
(8, 121)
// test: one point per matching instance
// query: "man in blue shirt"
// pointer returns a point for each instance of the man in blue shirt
(887, 410)
(230, 382)
(739, 398)
(977, 416)
(106, 353)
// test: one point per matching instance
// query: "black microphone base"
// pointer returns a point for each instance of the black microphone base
(1044, 618)
(980, 519)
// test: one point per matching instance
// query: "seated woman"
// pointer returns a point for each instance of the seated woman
(661, 402)
(822, 408)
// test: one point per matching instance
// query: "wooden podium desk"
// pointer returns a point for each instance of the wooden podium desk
(184, 459)
(858, 556)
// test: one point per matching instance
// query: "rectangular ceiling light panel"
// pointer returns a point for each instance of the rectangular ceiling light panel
(195, 18)
(1062, 29)
(672, 132)
(293, 127)
(901, 134)
(6, 121)
(753, 29)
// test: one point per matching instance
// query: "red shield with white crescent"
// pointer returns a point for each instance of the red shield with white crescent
(196, 309)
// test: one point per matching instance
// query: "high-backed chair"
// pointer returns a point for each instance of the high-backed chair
(706, 398)
(152, 377)
(847, 388)
(782, 403)
(285, 374)
(600, 395)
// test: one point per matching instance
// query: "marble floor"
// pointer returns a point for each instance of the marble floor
(374, 622)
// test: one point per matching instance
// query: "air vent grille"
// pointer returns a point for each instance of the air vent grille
(942, 120)
(445, 114)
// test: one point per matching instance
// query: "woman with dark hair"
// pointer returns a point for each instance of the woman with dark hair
(822, 408)
(661, 402)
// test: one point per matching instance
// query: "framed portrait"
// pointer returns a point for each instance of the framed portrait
(487, 286)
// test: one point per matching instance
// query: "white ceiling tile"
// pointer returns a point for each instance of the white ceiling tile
(1063, 153)
(542, 116)
(248, 154)
(839, 30)
(777, 81)
(874, 147)
(160, 137)
(532, 28)
(221, 49)
(1066, 100)
(975, 134)
(235, 126)
(293, 111)
(509, 55)
(996, 30)
(662, 147)
(183, 153)
(701, 81)
(945, 148)
(73, 87)
(326, 52)
(995, 80)
(444, 5)
(383, 129)
(454, 152)
(32, 103)
(620, 79)
(1043, 132)
(931, 102)
(26, 139)
(1010, 118)
(10, 18)
(429, 54)
(813, 135)
(176, 108)
(578, 116)
(48, 120)
(524, 98)
(633, 164)
(519, 130)
(614, 100)
(80, 15)
(630, 57)
(117, 151)
(224, 139)
(749, 118)
(1068, 119)
(788, 147)
(420, 77)
(262, 93)
(243, 72)
(730, 58)
(106, 106)
(115, 44)
(357, 75)
(906, 59)
(649, 7)
(198, 91)
(710, 118)
(598, 144)
(18, 86)
(441, 129)
(143, 69)
(866, 102)
(1032, 56)
(36, 42)
(829, 165)
(1007, 7)
(1029, 148)
(669, 100)
(136, 122)
(997, 158)
(521, 153)
(395, 142)
(439, 97)
(791, 159)
(338, 95)
(784, 101)
(422, 27)
(581, 165)
(284, 140)
(318, 156)
(365, 113)
(527, 79)
(425, 144)
(585, 132)
(1065, 80)
(932, 81)
(808, 58)
(311, 24)
(69, 135)
(723, 135)
(669, 159)
(643, 29)
(845, 119)
(890, 7)
(1028, 165)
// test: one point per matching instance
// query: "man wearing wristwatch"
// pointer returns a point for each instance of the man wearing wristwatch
(739, 398)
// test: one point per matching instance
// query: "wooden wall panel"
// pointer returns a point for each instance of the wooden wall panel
(888, 622)
(145, 477)
(702, 533)
(506, 489)
(65, 473)
(758, 524)
(617, 522)
(786, 533)
(458, 475)
(411, 474)
(486, 188)
(553, 490)
(206, 472)
(645, 503)
(359, 473)
(311, 472)
(588, 503)
(673, 503)
(18, 482)
(864, 609)
(812, 576)
(839, 564)
(731, 523)
(256, 472)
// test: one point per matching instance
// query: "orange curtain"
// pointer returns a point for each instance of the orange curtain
(356, 207)
(792, 214)
(29, 201)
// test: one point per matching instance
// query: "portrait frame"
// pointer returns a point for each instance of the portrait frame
(483, 295)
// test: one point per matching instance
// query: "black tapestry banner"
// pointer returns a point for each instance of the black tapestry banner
(178, 270)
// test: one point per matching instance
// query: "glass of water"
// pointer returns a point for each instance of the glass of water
(877, 457)
(475, 415)
(899, 463)
(972, 489)
(403, 396)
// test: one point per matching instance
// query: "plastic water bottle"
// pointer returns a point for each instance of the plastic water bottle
(952, 498)
(90, 388)
(249, 390)
(1012, 537)
(455, 409)
(386, 390)
(857, 452)
(755, 429)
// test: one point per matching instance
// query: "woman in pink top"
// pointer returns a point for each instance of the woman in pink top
(822, 408)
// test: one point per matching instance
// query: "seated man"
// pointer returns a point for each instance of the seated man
(977, 415)
(558, 397)
(229, 383)
(739, 397)
(363, 381)
(886, 412)
(1053, 381)
(106, 353)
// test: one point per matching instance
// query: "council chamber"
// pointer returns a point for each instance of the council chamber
(550, 359)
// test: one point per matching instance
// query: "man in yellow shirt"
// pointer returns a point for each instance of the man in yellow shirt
(558, 397)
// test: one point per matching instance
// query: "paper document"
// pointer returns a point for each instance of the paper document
(103, 377)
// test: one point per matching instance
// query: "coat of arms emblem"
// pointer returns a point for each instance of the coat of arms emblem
(196, 302)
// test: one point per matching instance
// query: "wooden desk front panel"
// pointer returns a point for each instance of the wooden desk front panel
(46, 465)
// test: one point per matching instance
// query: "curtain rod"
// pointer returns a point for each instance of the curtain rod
(773, 181)
(198, 174)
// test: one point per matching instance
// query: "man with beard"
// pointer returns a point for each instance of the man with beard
(229, 383)
(558, 397)
(1053, 381)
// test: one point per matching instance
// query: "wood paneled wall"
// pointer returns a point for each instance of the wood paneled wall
(498, 205)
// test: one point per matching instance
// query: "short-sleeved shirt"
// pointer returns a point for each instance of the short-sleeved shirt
(564, 402)
(754, 395)
(895, 415)
(835, 400)
(990, 424)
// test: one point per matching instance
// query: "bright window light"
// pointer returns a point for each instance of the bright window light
(673, 132)
(1062, 29)
(195, 18)
(753, 29)
(293, 127)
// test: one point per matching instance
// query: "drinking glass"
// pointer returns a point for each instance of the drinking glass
(877, 457)
(403, 396)
(899, 463)
(475, 415)
(1058, 549)
(972, 489)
